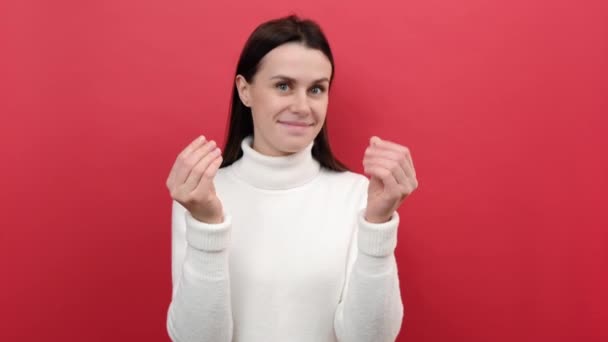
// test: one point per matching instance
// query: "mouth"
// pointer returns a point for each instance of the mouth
(295, 124)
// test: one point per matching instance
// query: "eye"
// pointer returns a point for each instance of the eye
(317, 90)
(282, 86)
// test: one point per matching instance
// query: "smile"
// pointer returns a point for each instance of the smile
(295, 124)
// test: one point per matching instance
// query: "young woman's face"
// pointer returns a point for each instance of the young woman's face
(288, 97)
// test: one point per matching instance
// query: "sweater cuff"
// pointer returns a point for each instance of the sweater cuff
(206, 236)
(377, 239)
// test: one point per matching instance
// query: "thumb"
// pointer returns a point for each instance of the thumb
(374, 140)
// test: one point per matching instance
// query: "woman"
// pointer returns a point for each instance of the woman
(277, 240)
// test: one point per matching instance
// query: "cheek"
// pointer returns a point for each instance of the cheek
(269, 104)
(320, 109)
(262, 107)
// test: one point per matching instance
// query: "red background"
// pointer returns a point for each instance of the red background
(502, 103)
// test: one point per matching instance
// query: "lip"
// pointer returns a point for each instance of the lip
(295, 124)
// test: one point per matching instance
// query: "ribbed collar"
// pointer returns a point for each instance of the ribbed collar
(275, 173)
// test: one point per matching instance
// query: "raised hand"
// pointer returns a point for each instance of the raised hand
(190, 181)
(393, 178)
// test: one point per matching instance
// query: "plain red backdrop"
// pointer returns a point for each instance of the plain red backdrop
(502, 103)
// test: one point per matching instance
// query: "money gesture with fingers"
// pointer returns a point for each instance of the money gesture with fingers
(393, 178)
(190, 181)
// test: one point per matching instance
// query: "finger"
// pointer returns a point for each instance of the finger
(373, 152)
(396, 189)
(197, 171)
(391, 146)
(384, 175)
(376, 141)
(196, 143)
(394, 167)
(183, 171)
(209, 174)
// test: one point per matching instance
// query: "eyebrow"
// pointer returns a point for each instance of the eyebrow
(324, 79)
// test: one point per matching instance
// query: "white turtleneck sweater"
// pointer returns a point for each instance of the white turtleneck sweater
(294, 260)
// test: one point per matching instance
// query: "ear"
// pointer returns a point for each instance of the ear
(242, 86)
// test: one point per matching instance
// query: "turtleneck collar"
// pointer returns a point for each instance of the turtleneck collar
(275, 173)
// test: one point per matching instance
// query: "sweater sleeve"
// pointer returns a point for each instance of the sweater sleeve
(200, 308)
(371, 308)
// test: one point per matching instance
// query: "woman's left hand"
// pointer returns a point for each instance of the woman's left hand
(393, 178)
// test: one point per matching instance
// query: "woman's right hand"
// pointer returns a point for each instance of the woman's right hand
(190, 181)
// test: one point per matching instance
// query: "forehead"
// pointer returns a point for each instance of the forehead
(296, 61)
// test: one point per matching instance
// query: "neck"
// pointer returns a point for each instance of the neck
(275, 172)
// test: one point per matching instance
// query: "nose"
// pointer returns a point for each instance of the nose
(300, 104)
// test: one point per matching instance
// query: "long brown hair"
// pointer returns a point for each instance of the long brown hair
(264, 38)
